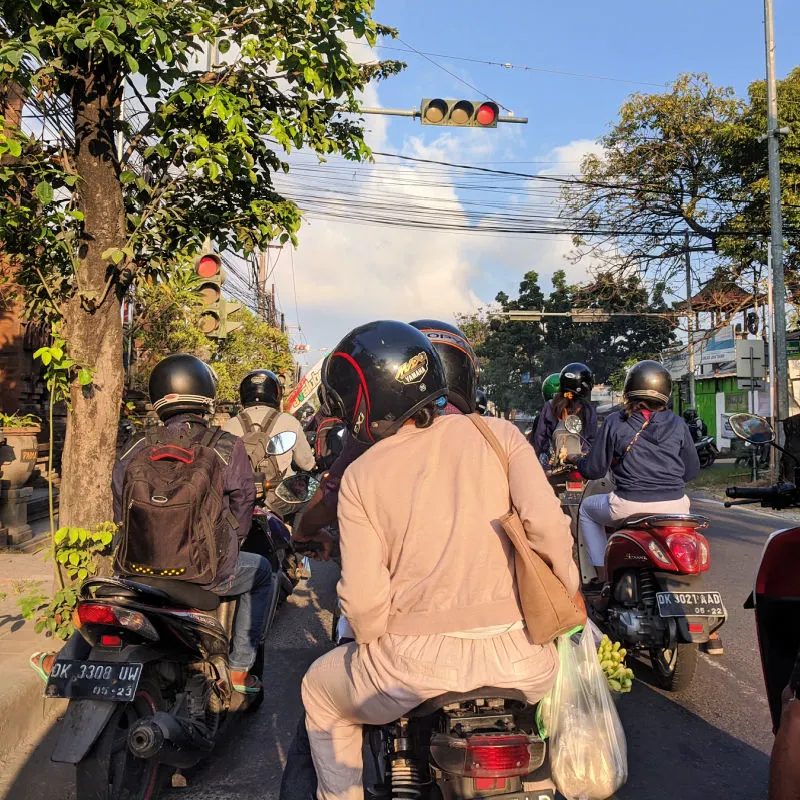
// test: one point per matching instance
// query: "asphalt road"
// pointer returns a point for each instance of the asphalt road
(712, 741)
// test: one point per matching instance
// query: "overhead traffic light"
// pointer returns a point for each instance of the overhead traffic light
(459, 113)
(215, 321)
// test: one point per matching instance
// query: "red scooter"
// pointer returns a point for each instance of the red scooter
(656, 601)
(776, 594)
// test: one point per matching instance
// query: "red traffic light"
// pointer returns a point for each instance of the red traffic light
(487, 114)
(208, 266)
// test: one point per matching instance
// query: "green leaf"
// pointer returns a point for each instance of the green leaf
(44, 191)
(14, 148)
(83, 573)
(74, 559)
(104, 22)
(84, 377)
(223, 45)
(60, 535)
(133, 64)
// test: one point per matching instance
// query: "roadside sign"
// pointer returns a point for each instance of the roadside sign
(750, 359)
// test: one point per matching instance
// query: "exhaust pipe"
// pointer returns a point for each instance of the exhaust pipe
(172, 740)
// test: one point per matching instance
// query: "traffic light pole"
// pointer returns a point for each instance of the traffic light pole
(687, 255)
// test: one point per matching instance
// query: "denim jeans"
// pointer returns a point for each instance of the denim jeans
(252, 584)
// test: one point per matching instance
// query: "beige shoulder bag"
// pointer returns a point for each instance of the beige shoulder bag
(547, 607)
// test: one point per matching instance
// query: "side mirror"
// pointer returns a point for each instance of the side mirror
(281, 443)
(752, 428)
(573, 423)
(298, 488)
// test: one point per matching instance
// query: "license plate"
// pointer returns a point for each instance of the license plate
(93, 680)
(690, 604)
(571, 498)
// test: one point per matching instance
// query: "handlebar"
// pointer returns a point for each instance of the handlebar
(779, 490)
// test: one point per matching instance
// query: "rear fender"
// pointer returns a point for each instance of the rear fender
(670, 582)
(83, 723)
(85, 720)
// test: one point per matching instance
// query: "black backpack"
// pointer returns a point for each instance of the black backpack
(174, 525)
(255, 438)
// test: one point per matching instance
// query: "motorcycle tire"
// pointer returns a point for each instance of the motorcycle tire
(675, 673)
(706, 460)
(110, 771)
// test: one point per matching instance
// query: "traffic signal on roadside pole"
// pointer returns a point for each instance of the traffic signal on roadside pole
(459, 113)
(215, 319)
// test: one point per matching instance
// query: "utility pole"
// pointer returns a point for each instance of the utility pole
(273, 317)
(776, 227)
(687, 257)
(262, 284)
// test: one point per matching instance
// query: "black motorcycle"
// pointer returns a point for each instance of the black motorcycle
(154, 693)
(707, 451)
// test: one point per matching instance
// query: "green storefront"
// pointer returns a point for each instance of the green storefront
(706, 391)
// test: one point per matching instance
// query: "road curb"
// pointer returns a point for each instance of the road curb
(24, 713)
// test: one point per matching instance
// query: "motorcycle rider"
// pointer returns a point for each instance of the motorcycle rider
(574, 396)
(461, 372)
(425, 580)
(550, 387)
(481, 402)
(697, 427)
(650, 453)
(183, 391)
(260, 393)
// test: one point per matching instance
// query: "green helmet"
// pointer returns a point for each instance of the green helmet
(550, 387)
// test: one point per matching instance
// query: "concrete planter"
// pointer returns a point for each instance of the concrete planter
(18, 455)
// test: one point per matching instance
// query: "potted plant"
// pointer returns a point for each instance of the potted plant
(19, 451)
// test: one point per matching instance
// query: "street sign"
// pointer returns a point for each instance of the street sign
(793, 347)
(589, 315)
(750, 359)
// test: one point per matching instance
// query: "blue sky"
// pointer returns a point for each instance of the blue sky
(345, 274)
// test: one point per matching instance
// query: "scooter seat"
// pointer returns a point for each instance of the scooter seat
(487, 692)
(183, 593)
(661, 521)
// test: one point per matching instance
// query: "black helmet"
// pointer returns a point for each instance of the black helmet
(459, 361)
(576, 379)
(180, 384)
(481, 403)
(690, 415)
(379, 375)
(261, 387)
(648, 380)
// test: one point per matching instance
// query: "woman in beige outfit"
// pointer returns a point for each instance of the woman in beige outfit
(427, 572)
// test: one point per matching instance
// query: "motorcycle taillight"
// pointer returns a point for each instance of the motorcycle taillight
(685, 551)
(575, 476)
(88, 614)
(483, 756)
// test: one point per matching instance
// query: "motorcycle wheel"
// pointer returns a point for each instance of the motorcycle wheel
(675, 668)
(111, 771)
(706, 460)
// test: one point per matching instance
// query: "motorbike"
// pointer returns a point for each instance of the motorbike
(761, 456)
(458, 746)
(154, 693)
(655, 600)
(270, 534)
(775, 598)
(567, 482)
(707, 451)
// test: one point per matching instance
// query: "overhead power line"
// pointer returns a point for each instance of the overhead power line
(508, 65)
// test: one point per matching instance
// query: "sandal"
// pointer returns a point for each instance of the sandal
(251, 686)
(36, 662)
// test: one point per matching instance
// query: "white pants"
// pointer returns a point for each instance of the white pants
(601, 510)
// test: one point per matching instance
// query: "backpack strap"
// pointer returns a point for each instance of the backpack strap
(270, 421)
(246, 421)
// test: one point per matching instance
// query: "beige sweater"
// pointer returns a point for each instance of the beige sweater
(422, 549)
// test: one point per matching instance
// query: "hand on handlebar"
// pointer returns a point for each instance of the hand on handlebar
(319, 548)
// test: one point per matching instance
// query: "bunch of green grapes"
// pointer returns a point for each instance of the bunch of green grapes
(612, 661)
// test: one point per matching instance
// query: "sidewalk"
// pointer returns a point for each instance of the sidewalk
(24, 714)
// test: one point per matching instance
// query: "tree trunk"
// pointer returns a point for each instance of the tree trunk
(93, 322)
